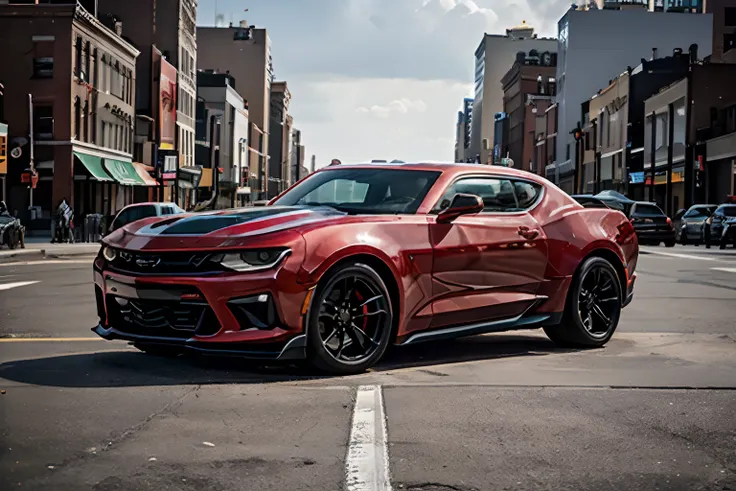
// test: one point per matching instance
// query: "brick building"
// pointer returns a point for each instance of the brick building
(71, 79)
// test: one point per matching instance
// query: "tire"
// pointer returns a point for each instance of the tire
(159, 350)
(572, 331)
(333, 345)
(670, 243)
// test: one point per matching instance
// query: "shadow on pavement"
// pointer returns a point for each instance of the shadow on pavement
(131, 368)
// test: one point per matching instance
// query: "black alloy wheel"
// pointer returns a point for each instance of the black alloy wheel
(350, 320)
(598, 301)
(593, 308)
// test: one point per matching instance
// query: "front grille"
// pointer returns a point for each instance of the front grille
(164, 263)
(157, 318)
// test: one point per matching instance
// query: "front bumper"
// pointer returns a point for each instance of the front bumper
(257, 315)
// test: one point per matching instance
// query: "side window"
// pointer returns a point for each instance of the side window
(526, 193)
(145, 212)
(497, 194)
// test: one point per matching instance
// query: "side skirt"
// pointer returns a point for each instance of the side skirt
(523, 321)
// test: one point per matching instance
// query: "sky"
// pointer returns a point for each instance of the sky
(380, 79)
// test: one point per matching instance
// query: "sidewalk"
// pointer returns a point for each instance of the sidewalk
(42, 247)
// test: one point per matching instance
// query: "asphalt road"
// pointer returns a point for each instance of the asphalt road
(653, 410)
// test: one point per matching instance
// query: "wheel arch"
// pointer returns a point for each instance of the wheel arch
(387, 275)
(613, 258)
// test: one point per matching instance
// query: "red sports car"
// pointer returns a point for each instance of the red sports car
(355, 257)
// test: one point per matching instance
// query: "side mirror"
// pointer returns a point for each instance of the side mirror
(680, 213)
(462, 204)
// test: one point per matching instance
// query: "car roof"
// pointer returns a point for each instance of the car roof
(450, 167)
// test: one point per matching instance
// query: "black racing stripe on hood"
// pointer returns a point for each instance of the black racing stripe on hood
(204, 224)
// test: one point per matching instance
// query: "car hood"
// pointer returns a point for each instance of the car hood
(216, 229)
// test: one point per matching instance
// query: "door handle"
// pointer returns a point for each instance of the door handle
(527, 233)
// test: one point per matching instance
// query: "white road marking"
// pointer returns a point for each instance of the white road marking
(680, 256)
(726, 270)
(366, 463)
(51, 261)
(8, 286)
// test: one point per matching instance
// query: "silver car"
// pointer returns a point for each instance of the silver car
(690, 230)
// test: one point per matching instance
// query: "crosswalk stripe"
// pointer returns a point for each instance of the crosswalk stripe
(8, 286)
(366, 463)
(725, 270)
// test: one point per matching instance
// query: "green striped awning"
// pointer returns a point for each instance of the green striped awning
(93, 165)
(124, 172)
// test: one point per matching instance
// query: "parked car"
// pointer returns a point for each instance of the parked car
(652, 225)
(357, 257)
(690, 227)
(138, 211)
(722, 225)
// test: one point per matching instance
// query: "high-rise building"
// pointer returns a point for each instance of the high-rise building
(245, 52)
(462, 136)
(585, 63)
(167, 27)
(493, 57)
(278, 165)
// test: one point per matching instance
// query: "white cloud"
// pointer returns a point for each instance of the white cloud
(416, 124)
(397, 106)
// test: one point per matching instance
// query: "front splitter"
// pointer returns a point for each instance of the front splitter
(294, 349)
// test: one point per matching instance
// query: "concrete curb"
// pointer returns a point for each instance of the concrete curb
(35, 254)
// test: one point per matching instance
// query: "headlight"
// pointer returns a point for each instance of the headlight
(109, 253)
(250, 260)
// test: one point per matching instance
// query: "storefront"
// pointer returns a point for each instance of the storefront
(720, 168)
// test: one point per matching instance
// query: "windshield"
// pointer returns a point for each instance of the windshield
(363, 191)
(728, 211)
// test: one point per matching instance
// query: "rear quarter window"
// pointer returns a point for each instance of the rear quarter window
(527, 193)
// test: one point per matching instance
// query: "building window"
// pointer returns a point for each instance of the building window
(729, 42)
(96, 71)
(77, 119)
(93, 124)
(730, 16)
(78, 58)
(43, 57)
(43, 122)
(85, 122)
(87, 58)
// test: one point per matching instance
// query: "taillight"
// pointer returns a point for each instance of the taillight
(625, 232)
(669, 221)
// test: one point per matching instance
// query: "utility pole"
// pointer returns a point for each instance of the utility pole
(32, 163)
